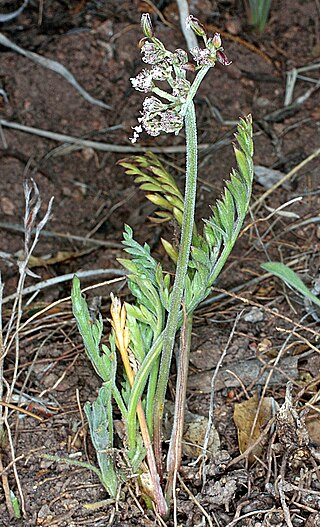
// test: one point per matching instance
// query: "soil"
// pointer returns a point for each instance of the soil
(93, 198)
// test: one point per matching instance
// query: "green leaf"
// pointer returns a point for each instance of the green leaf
(201, 257)
(15, 505)
(90, 331)
(221, 230)
(99, 415)
(170, 250)
(291, 278)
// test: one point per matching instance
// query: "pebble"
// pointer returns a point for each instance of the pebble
(254, 315)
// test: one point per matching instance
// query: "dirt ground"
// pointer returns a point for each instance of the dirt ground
(93, 198)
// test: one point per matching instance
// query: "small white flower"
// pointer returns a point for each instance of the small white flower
(152, 54)
(181, 89)
(153, 105)
(152, 124)
(161, 73)
(143, 81)
(179, 57)
(171, 122)
(204, 57)
(137, 130)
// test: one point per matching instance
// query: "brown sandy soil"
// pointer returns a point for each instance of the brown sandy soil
(93, 198)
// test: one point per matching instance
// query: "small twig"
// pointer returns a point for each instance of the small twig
(54, 234)
(21, 410)
(32, 208)
(106, 147)
(6, 17)
(58, 302)
(194, 499)
(284, 505)
(159, 14)
(292, 172)
(254, 281)
(266, 384)
(66, 278)
(267, 310)
(253, 445)
(212, 394)
(247, 515)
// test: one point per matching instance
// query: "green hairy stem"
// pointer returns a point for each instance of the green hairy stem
(181, 271)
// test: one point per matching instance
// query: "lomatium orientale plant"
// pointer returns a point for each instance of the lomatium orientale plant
(144, 330)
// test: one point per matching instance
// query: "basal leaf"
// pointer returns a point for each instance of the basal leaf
(291, 278)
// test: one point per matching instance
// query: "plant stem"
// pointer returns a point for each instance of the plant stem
(139, 385)
(118, 324)
(181, 271)
(175, 447)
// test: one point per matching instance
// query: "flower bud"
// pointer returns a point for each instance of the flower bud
(193, 23)
(216, 40)
(142, 42)
(189, 67)
(222, 57)
(146, 25)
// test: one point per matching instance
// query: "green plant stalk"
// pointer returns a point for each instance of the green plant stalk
(174, 318)
(259, 12)
(181, 271)
(192, 92)
(138, 387)
(175, 447)
(152, 385)
(153, 377)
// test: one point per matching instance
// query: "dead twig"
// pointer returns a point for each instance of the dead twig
(21, 410)
(292, 172)
(267, 310)
(194, 499)
(245, 454)
(14, 14)
(53, 234)
(247, 515)
(106, 147)
(212, 394)
(66, 278)
(285, 508)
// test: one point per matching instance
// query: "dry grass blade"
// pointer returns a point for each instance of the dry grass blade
(32, 208)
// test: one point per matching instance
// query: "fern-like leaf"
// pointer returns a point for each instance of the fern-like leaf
(142, 263)
(161, 189)
(152, 176)
(223, 227)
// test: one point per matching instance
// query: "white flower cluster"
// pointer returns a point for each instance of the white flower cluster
(157, 117)
(203, 56)
(170, 67)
